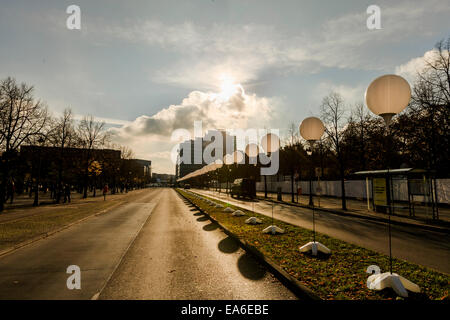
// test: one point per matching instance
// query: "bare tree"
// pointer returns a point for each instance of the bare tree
(333, 113)
(91, 135)
(430, 106)
(126, 152)
(62, 136)
(361, 117)
(293, 134)
(22, 118)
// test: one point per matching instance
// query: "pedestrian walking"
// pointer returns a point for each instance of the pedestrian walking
(66, 193)
(13, 190)
(105, 191)
(10, 191)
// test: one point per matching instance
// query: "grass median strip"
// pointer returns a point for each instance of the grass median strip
(338, 276)
(53, 218)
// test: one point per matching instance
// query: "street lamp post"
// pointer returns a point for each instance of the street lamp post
(36, 194)
(309, 153)
(227, 161)
(386, 96)
(312, 129)
(252, 152)
(270, 143)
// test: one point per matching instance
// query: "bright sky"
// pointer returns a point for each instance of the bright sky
(150, 67)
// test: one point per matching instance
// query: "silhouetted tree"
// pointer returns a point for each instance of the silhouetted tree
(91, 135)
(332, 113)
(21, 119)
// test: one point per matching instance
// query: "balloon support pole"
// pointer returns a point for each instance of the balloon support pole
(399, 284)
(314, 247)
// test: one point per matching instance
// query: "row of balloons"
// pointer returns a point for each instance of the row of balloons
(386, 96)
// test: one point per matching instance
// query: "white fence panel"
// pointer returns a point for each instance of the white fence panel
(355, 188)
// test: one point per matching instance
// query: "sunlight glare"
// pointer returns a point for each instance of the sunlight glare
(228, 87)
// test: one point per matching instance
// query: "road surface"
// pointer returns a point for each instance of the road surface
(180, 254)
(427, 248)
(156, 247)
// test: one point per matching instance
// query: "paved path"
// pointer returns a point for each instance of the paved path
(427, 248)
(180, 254)
(155, 247)
(96, 245)
(423, 214)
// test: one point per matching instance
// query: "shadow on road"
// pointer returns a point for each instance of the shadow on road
(210, 227)
(250, 268)
(204, 218)
(228, 245)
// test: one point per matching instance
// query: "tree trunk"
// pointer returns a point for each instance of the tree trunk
(341, 170)
(4, 180)
(292, 188)
(265, 186)
(86, 178)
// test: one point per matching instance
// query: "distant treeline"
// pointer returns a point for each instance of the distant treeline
(42, 151)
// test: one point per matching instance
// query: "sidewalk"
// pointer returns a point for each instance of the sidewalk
(25, 225)
(358, 208)
(22, 205)
(422, 215)
(422, 244)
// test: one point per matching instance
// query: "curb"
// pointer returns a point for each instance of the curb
(50, 233)
(356, 215)
(290, 282)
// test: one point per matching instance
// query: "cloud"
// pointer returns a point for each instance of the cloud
(211, 108)
(246, 50)
(150, 136)
(350, 94)
(410, 69)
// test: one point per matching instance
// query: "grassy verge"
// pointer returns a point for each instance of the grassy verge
(48, 219)
(338, 276)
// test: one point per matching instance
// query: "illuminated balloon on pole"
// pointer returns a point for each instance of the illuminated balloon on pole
(252, 150)
(228, 159)
(238, 157)
(270, 143)
(312, 129)
(388, 95)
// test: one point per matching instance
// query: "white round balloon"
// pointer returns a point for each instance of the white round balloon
(270, 143)
(388, 94)
(312, 129)
(252, 150)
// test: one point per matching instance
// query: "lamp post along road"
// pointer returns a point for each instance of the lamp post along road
(309, 153)
(270, 143)
(38, 178)
(312, 129)
(386, 96)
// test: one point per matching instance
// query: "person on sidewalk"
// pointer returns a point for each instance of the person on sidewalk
(105, 191)
(11, 191)
(66, 193)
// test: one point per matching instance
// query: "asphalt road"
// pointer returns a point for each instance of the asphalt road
(38, 271)
(156, 247)
(427, 248)
(180, 254)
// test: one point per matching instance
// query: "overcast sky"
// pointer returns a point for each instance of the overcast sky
(150, 67)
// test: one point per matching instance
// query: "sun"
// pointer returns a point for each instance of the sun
(228, 87)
